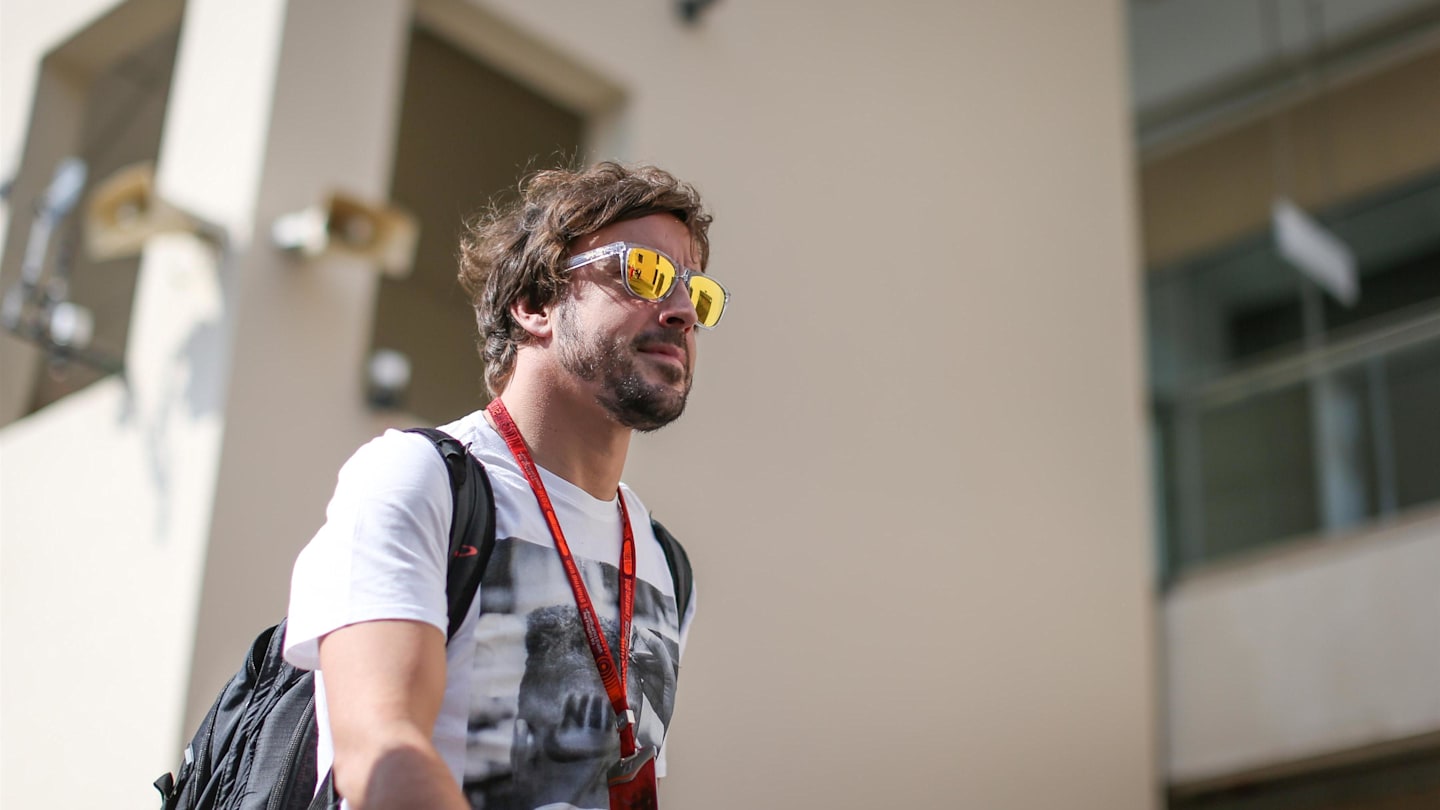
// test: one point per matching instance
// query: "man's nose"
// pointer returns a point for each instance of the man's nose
(677, 311)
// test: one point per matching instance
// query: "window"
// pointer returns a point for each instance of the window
(1281, 413)
(109, 119)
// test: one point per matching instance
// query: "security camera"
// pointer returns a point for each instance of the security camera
(346, 226)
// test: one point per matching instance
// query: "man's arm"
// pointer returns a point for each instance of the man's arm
(384, 683)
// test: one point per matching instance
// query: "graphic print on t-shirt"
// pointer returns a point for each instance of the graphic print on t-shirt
(541, 730)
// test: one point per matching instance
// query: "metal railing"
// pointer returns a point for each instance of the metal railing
(1318, 442)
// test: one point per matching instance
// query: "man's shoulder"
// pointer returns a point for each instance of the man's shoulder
(394, 455)
(468, 429)
(476, 434)
(399, 460)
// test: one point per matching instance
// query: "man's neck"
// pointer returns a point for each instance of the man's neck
(569, 436)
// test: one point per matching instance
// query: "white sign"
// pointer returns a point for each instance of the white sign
(1315, 251)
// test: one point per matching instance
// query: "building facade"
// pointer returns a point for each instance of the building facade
(1024, 473)
(1295, 425)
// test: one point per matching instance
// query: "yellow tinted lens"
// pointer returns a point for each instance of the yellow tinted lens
(708, 298)
(648, 273)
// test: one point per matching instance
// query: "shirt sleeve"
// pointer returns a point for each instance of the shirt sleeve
(381, 553)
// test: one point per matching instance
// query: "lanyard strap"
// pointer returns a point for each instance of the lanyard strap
(614, 678)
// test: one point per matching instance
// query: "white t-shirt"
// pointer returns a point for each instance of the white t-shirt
(525, 721)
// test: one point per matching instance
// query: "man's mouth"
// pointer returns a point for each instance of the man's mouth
(664, 350)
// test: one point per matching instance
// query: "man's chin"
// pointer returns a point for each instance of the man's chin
(646, 407)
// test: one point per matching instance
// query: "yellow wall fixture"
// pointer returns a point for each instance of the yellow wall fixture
(124, 211)
(346, 226)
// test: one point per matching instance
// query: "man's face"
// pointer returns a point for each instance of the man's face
(639, 356)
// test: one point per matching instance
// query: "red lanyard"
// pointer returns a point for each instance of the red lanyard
(604, 662)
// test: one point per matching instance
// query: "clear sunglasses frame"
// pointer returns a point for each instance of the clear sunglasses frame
(683, 273)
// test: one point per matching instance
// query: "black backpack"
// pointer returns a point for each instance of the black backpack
(256, 747)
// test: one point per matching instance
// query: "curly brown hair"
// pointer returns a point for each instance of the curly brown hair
(517, 252)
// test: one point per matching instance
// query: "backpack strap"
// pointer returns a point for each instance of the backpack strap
(472, 528)
(679, 563)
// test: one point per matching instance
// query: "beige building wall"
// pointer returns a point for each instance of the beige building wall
(911, 476)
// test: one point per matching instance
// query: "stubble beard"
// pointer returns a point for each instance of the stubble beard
(624, 393)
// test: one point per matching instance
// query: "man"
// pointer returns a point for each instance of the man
(585, 341)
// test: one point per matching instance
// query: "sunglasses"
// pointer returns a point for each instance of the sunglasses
(650, 275)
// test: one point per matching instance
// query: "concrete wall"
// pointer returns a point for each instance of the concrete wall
(105, 502)
(911, 475)
(1324, 647)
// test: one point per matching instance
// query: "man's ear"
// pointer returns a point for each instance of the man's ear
(539, 322)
